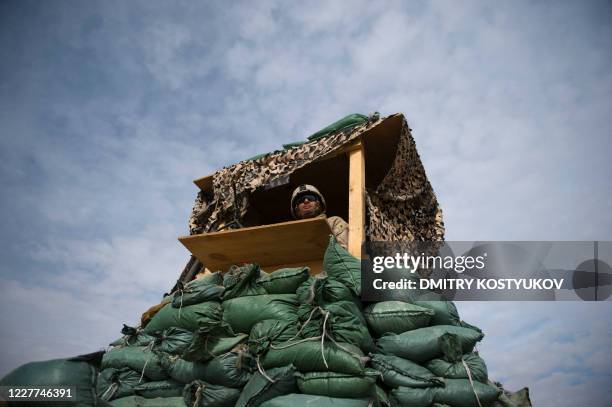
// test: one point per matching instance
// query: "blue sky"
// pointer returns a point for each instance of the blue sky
(110, 109)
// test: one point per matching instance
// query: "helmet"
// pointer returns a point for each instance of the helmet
(306, 189)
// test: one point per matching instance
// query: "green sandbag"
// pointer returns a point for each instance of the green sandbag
(137, 358)
(279, 381)
(133, 337)
(466, 325)
(138, 401)
(445, 312)
(423, 344)
(347, 324)
(456, 370)
(189, 318)
(74, 372)
(382, 399)
(181, 370)
(229, 369)
(215, 278)
(333, 384)
(321, 290)
(205, 347)
(413, 397)
(209, 395)
(197, 291)
(241, 281)
(456, 393)
(345, 123)
(520, 398)
(401, 372)
(173, 341)
(307, 356)
(517, 399)
(308, 400)
(270, 332)
(343, 322)
(342, 266)
(243, 312)
(116, 383)
(311, 320)
(284, 281)
(396, 317)
(164, 388)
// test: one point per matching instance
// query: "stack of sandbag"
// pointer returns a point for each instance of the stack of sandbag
(419, 352)
(328, 344)
(434, 364)
(193, 350)
(185, 353)
(264, 306)
(250, 338)
(252, 296)
(425, 355)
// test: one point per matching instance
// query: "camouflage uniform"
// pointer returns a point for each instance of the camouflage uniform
(339, 228)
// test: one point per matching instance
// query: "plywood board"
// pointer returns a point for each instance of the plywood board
(277, 244)
(205, 183)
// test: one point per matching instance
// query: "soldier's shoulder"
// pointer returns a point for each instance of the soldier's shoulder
(336, 220)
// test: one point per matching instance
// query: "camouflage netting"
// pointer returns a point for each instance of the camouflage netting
(402, 208)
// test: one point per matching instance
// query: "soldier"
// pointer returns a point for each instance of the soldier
(307, 202)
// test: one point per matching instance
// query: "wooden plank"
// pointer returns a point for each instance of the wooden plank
(205, 183)
(281, 243)
(356, 200)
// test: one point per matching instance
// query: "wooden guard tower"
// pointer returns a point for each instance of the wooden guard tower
(272, 239)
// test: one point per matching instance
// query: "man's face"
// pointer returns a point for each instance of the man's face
(308, 207)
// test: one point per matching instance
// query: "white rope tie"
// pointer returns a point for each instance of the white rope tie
(181, 306)
(469, 373)
(311, 293)
(323, 339)
(314, 338)
(150, 349)
(114, 386)
(263, 372)
(198, 398)
(324, 334)
(305, 323)
(363, 359)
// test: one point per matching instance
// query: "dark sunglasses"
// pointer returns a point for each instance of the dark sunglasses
(303, 198)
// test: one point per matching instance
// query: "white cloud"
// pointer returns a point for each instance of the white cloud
(101, 285)
(559, 350)
(509, 106)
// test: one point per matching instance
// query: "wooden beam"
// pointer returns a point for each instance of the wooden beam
(356, 218)
(296, 242)
(205, 183)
